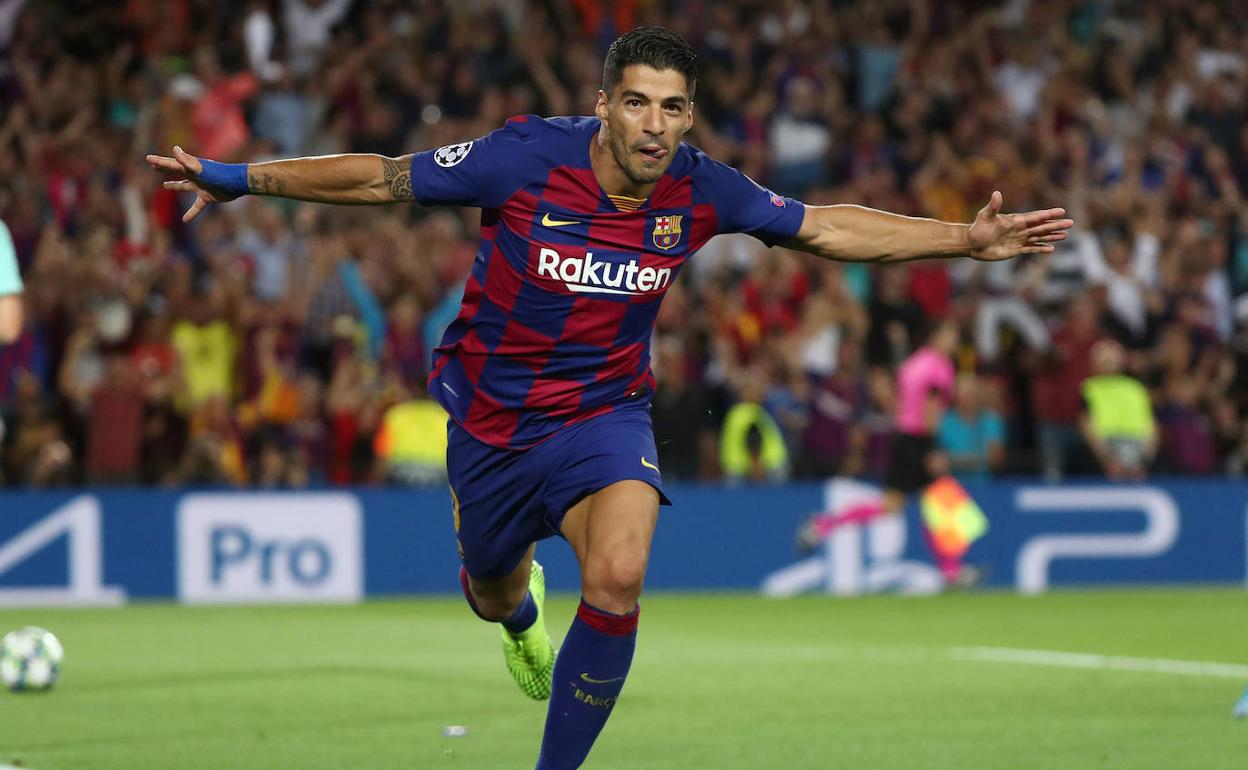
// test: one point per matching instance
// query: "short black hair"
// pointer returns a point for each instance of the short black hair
(654, 47)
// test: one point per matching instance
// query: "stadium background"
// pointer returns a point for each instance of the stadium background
(263, 345)
(279, 346)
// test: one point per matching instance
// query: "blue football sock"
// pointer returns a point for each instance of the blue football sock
(524, 616)
(589, 674)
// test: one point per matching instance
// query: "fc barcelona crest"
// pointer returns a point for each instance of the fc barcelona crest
(667, 231)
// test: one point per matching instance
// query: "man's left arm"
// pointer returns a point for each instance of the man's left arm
(858, 234)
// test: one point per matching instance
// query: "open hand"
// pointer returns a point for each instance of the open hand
(184, 164)
(994, 236)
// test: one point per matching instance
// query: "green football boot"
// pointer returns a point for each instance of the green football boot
(530, 656)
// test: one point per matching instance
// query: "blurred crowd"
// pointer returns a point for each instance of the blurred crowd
(277, 344)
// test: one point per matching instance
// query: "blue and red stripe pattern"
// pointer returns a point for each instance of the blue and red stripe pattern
(562, 298)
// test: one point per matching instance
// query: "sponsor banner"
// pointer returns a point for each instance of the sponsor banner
(271, 547)
(74, 528)
(1041, 536)
(102, 547)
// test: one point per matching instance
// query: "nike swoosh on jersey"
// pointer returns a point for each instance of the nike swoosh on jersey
(646, 463)
(548, 222)
(591, 680)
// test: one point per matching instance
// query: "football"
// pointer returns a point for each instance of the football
(30, 659)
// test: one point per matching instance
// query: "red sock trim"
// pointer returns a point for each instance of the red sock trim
(607, 623)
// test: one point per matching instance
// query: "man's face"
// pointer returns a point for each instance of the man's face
(643, 120)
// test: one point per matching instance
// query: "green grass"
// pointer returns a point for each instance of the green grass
(718, 682)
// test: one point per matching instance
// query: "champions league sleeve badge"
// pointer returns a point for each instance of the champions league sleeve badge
(451, 154)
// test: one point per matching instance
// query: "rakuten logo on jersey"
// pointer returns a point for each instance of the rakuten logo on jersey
(590, 276)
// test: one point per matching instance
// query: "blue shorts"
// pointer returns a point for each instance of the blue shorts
(505, 500)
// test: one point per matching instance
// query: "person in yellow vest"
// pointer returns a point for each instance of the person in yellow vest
(207, 346)
(752, 448)
(1117, 419)
(411, 443)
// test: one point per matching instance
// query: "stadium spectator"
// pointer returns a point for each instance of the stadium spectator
(308, 27)
(835, 441)
(799, 139)
(685, 431)
(36, 452)
(1118, 419)
(217, 120)
(1187, 434)
(207, 346)
(411, 443)
(115, 424)
(972, 435)
(260, 35)
(1008, 298)
(752, 446)
(1055, 392)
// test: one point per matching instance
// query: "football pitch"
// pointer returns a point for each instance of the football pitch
(1132, 679)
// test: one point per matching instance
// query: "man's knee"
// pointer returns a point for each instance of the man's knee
(493, 600)
(613, 582)
(496, 607)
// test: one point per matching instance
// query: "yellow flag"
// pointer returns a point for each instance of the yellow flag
(952, 518)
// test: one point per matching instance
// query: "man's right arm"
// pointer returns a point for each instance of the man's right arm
(346, 179)
(481, 172)
(350, 179)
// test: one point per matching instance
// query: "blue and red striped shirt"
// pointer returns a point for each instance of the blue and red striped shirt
(561, 302)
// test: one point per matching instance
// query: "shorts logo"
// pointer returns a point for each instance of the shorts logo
(647, 464)
(451, 154)
(667, 231)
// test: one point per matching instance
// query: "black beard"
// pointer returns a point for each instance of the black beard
(624, 157)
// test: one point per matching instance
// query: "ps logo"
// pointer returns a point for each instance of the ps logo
(451, 154)
(857, 559)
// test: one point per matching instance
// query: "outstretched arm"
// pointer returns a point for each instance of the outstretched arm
(859, 234)
(353, 179)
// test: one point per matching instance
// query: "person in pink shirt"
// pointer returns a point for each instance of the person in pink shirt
(217, 118)
(925, 386)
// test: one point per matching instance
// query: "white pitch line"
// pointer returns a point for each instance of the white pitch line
(1104, 662)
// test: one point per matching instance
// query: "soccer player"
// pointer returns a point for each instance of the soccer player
(586, 223)
(10, 289)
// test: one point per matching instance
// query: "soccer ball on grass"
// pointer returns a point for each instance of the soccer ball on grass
(30, 659)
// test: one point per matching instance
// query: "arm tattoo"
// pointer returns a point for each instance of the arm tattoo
(265, 184)
(398, 175)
